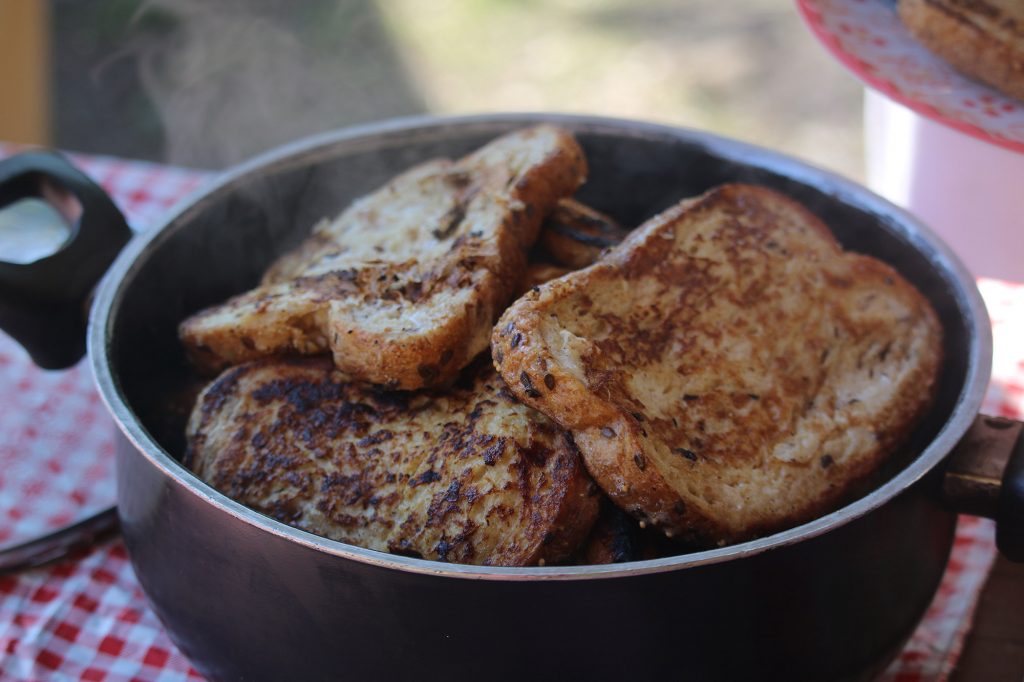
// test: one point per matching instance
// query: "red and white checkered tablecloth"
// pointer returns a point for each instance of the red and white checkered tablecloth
(57, 442)
(86, 618)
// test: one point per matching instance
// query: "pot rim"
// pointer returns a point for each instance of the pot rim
(968, 403)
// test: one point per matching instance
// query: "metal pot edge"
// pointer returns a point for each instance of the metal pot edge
(967, 405)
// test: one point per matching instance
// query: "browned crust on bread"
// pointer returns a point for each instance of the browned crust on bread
(465, 475)
(982, 39)
(574, 235)
(718, 369)
(449, 248)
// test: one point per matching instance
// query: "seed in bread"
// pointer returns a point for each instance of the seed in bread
(728, 370)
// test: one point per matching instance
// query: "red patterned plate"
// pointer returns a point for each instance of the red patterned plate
(868, 37)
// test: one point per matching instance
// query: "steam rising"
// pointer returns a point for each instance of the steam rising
(233, 78)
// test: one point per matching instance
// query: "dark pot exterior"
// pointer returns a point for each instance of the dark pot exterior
(247, 598)
(245, 604)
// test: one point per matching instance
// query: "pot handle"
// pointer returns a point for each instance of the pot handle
(985, 477)
(44, 296)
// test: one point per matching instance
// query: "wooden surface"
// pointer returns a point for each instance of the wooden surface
(994, 650)
(25, 71)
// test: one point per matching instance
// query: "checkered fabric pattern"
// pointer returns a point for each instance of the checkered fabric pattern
(84, 619)
(87, 619)
(57, 449)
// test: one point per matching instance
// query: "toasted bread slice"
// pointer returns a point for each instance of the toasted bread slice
(574, 235)
(728, 370)
(404, 286)
(465, 475)
(982, 38)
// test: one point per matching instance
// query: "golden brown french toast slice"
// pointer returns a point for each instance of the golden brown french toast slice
(465, 475)
(728, 370)
(403, 287)
(982, 38)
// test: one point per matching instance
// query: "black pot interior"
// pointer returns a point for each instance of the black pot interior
(220, 245)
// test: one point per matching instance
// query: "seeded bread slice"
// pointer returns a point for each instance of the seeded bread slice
(465, 475)
(403, 287)
(728, 370)
(982, 38)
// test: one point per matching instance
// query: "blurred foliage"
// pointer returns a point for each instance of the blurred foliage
(209, 83)
(743, 68)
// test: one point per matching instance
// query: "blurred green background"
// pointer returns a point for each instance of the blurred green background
(208, 84)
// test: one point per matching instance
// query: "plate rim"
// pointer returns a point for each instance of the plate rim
(808, 11)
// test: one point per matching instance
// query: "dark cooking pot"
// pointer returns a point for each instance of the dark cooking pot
(246, 597)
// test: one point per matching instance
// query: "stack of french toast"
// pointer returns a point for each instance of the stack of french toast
(984, 39)
(468, 365)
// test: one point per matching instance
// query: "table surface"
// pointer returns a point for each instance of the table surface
(86, 617)
(994, 649)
